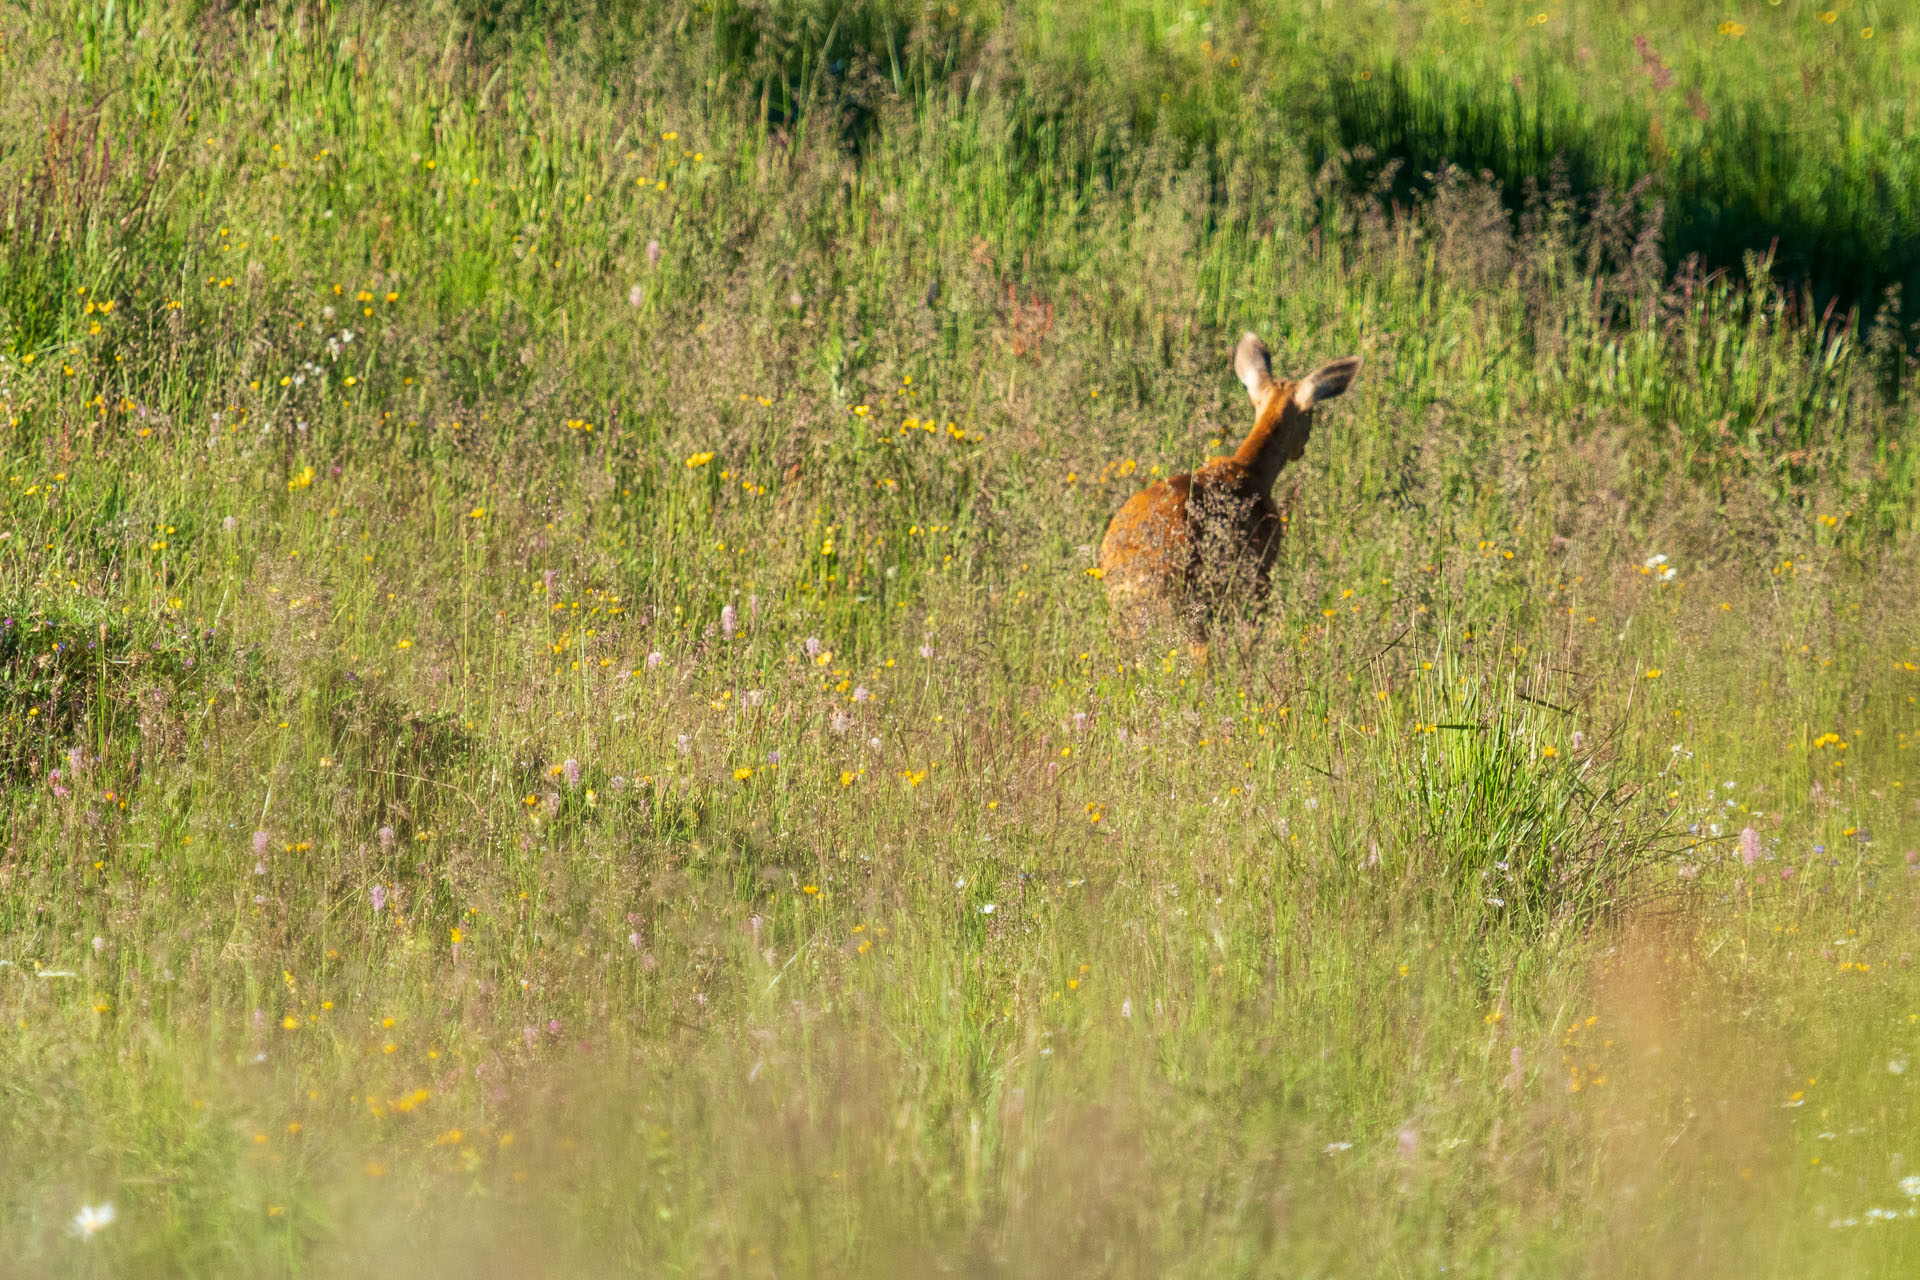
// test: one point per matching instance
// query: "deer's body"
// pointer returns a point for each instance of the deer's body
(1194, 544)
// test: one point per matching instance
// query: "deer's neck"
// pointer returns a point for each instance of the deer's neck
(1275, 431)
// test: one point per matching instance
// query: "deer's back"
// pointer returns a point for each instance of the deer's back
(1209, 533)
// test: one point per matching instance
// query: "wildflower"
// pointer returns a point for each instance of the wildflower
(92, 1219)
(572, 769)
(654, 254)
(860, 694)
(1749, 846)
(813, 646)
(742, 774)
(728, 620)
(654, 659)
(260, 840)
(987, 909)
(635, 296)
(700, 459)
(379, 896)
(386, 837)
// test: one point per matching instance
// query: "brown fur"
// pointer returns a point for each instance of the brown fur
(1193, 544)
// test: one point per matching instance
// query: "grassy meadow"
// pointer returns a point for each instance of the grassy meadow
(558, 718)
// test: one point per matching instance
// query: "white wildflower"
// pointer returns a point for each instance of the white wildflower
(92, 1219)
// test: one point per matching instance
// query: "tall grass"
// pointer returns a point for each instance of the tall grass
(556, 715)
(1767, 128)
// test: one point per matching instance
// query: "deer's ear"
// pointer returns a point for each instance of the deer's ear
(1252, 367)
(1326, 382)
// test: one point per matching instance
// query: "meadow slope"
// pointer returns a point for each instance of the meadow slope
(559, 718)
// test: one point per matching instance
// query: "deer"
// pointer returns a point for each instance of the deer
(1192, 546)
